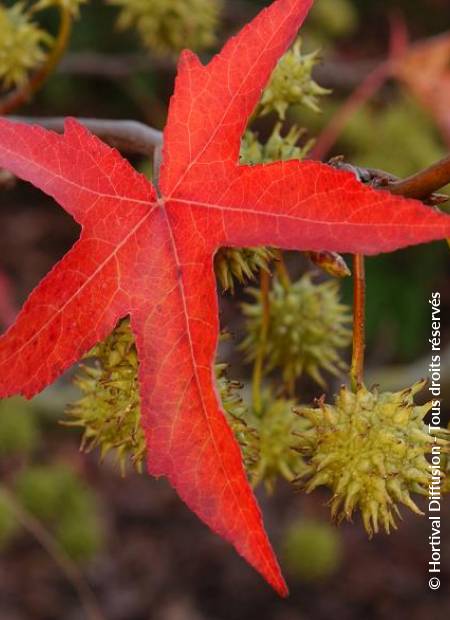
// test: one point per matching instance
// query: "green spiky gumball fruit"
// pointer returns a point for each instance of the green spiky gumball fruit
(71, 6)
(233, 265)
(277, 147)
(109, 410)
(292, 83)
(169, 26)
(369, 449)
(307, 328)
(276, 426)
(23, 45)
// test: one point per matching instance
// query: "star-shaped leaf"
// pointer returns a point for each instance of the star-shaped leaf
(149, 254)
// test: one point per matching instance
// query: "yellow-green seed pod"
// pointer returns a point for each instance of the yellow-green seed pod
(369, 449)
(292, 83)
(23, 45)
(240, 265)
(72, 6)
(277, 147)
(168, 26)
(307, 328)
(276, 426)
(109, 410)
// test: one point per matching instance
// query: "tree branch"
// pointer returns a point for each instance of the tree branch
(128, 136)
(424, 183)
(332, 73)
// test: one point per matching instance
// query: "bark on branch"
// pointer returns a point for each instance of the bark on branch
(125, 135)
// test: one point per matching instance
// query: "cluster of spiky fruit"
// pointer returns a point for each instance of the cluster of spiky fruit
(370, 449)
(109, 414)
(276, 426)
(292, 83)
(109, 410)
(233, 265)
(71, 6)
(307, 327)
(277, 147)
(168, 26)
(23, 45)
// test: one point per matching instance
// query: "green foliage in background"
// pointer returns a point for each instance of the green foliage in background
(8, 525)
(57, 497)
(19, 430)
(312, 550)
(398, 137)
(52, 493)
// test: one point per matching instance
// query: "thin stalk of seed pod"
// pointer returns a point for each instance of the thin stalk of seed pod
(282, 271)
(359, 299)
(22, 94)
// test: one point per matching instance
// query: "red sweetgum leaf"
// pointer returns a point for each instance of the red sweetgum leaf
(150, 256)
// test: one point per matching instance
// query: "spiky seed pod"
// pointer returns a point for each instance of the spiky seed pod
(277, 147)
(307, 328)
(23, 45)
(292, 84)
(168, 26)
(109, 411)
(370, 449)
(276, 426)
(238, 417)
(240, 265)
(72, 6)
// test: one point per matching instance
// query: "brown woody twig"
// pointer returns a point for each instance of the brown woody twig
(424, 183)
(359, 303)
(128, 136)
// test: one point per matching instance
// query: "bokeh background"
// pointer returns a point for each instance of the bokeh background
(142, 552)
